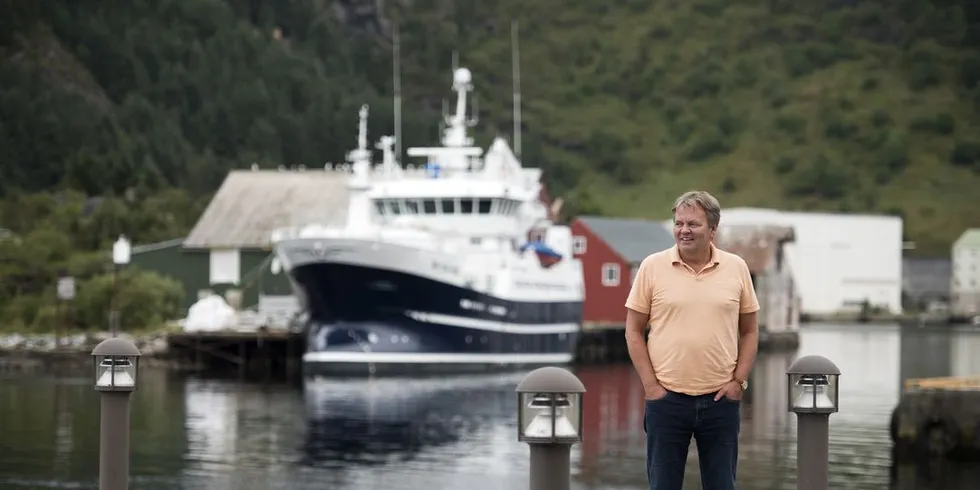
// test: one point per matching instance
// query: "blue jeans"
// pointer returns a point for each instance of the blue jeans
(671, 421)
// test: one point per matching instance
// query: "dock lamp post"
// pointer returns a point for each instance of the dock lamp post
(813, 396)
(116, 369)
(120, 257)
(549, 419)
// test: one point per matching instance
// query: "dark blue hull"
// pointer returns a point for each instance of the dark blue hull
(373, 321)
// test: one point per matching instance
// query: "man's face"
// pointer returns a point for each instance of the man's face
(691, 231)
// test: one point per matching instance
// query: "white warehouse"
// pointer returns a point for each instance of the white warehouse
(839, 261)
(965, 287)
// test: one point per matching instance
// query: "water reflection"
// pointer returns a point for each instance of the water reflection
(373, 422)
(448, 432)
(937, 475)
(425, 429)
(965, 352)
(873, 366)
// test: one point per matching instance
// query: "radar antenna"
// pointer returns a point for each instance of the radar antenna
(361, 153)
(475, 110)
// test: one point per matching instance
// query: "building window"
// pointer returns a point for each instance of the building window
(578, 245)
(225, 267)
(610, 275)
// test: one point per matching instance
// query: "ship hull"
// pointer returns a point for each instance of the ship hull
(367, 320)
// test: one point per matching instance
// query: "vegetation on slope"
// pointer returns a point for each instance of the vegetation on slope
(867, 106)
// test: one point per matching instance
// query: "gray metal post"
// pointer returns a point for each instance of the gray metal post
(116, 378)
(114, 441)
(550, 391)
(551, 466)
(814, 393)
(114, 313)
(812, 451)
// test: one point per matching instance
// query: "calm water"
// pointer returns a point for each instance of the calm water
(455, 432)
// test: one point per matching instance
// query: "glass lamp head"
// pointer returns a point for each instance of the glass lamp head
(549, 407)
(121, 251)
(116, 365)
(116, 374)
(550, 417)
(813, 386)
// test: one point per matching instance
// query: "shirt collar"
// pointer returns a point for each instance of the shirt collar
(675, 255)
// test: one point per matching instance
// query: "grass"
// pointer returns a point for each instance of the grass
(635, 104)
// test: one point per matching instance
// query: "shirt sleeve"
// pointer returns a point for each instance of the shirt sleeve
(748, 302)
(641, 293)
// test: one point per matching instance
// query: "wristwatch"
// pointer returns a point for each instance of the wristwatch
(744, 383)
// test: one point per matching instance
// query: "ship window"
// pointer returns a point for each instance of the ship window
(380, 207)
(505, 207)
(411, 206)
(484, 205)
(393, 207)
(448, 206)
(466, 206)
(496, 206)
(429, 206)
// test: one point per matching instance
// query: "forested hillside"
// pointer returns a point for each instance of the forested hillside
(122, 117)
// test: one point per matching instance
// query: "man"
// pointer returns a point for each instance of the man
(701, 307)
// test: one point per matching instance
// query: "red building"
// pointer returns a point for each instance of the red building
(610, 250)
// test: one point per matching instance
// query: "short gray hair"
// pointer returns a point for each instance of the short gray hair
(703, 200)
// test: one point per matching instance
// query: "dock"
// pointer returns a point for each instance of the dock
(276, 353)
(261, 352)
(938, 418)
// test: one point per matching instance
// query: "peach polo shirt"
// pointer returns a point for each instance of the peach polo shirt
(693, 340)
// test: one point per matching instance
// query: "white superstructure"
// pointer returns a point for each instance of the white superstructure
(457, 218)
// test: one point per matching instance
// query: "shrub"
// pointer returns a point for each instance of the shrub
(143, 299)
(941, 124)
(820, 178)
(966, 153)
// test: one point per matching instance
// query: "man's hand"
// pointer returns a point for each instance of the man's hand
(654, 392)
(732, 390)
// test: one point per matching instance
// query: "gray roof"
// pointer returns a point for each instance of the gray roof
(153, 247)
(251, 204)
(633, 239)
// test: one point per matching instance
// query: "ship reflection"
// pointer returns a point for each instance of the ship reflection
(380, 421)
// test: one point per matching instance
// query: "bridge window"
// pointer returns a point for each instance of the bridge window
(483, 205)
(464, 205)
